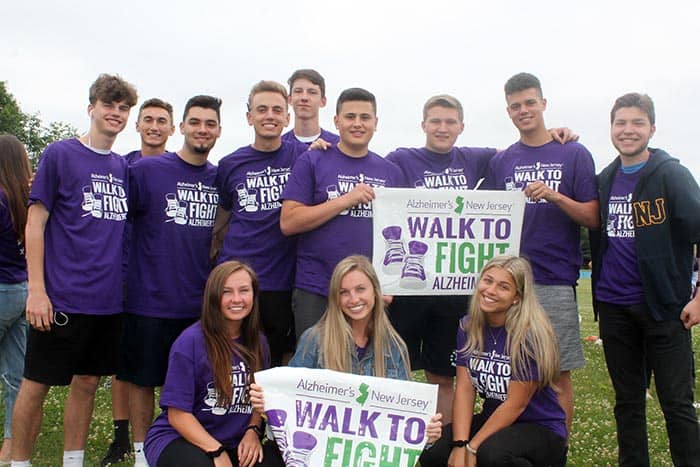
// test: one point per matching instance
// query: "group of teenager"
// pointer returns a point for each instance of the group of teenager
(120, 277)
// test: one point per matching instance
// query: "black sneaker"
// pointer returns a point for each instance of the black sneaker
(116, 453)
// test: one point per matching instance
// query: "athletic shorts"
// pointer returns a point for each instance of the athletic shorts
(278, 323)
(77, 344)
(559, 301)
(145, 347)
(428, 325)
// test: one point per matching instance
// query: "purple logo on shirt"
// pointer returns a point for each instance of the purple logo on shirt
(105, 198)
(262, 189)
(193, 205)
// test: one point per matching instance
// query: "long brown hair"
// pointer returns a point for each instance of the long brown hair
(219, 344)
(14, 180)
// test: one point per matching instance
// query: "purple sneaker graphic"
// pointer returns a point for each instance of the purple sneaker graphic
(413, 273)
(303, 445)
(395, 251)
(275, 422)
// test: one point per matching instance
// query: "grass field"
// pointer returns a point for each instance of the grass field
(593, 436)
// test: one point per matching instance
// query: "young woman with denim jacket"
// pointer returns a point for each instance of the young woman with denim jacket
(355, 328)
(351, 332)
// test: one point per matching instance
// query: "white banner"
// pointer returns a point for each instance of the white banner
(435, 242)
(327, 418)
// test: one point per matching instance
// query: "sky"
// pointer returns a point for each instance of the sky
(586, 54)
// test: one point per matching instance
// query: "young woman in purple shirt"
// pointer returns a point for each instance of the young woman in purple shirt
(14, 192)
(507, 353)
(207, 419)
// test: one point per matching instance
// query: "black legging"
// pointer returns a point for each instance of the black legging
(521, 444)
(180, 452)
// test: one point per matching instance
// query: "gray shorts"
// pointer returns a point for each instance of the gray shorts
(559, 301)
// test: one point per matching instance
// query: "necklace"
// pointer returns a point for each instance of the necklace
(496, 336)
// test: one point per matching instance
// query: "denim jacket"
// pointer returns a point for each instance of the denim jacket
(308, 355)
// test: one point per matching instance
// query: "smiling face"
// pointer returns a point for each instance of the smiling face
(237, 299)
(630, 132)
(109, 118)
(356, 122)
(357, 297)
(268, 115)
(496, 293)
(155, 127)
(442, 127)
(525, 109)
(201, 129)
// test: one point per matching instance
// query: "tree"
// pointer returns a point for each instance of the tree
(29, 128)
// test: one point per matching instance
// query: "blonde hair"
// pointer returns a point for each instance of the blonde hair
(335, 333)
(530, 335)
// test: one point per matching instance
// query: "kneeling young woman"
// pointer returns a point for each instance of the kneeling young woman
(207, 419)
(507, 353)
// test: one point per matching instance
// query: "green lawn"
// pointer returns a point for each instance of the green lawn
(592, 442)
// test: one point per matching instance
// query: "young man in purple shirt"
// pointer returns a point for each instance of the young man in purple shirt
(76, 218)
(328, 201)
(643, 261)
(559, 183)
(172, 204)
(307, 94)
(250, 182)
(428, 323)
(155, 125)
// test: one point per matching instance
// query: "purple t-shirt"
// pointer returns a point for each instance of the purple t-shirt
(172, 205)
(550, 239)
(460, 169)
(327, 136)
(251, 183)
(85, 193)
(13, 266)
(319, 176)
(189, 386)
(490, 374)
(620, 282)
(133, 156)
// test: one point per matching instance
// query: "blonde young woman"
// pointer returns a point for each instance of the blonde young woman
(352, 332)
(506, 353)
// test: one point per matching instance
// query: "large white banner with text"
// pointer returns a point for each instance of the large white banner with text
(435, 242)
(327, 418)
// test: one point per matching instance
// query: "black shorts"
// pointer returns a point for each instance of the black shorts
(278, 323)
(145, 348)
(428, 325)
(77, 344)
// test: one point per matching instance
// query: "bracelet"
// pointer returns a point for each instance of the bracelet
(216, 453)
(256, 429)
(471, 449)
(459, 443)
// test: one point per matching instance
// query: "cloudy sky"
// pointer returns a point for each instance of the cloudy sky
(585, 53)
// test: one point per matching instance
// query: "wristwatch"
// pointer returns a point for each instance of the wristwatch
(216, 453)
